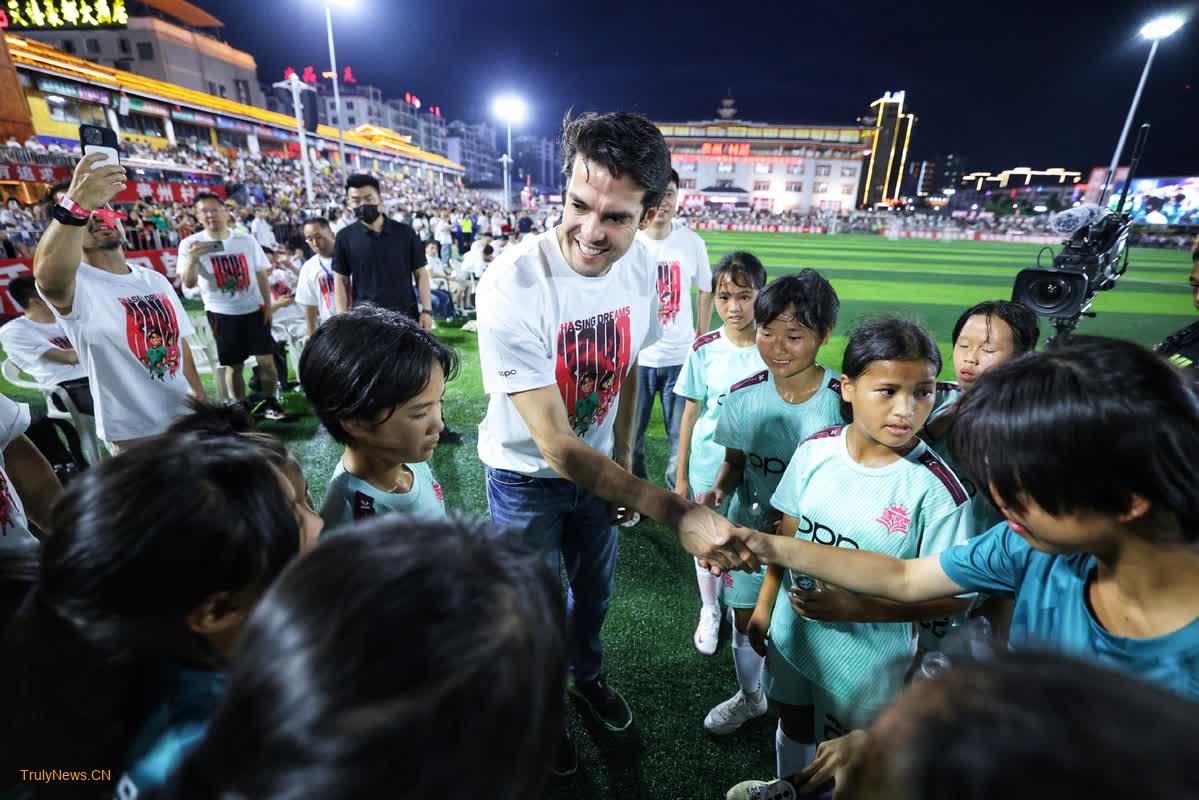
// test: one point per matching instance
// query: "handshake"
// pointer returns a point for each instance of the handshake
(719, 545)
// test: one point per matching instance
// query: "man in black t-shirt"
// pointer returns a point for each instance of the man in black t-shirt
(380, 257)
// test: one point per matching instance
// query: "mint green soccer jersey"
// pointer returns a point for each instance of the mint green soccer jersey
(764, 426)
(713, 365)
(349, 497)
(913, 507)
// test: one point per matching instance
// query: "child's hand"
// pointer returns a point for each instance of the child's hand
(758, 630)
(713, 498)
(834, 760)
(828, 605)
(683, 489)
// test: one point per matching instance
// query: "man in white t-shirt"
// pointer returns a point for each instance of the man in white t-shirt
(37, 344)
(314, 291)
(262, 231)
(28, 485)
(562, 317)
(232, 272)
(126, 323)
(681, 262)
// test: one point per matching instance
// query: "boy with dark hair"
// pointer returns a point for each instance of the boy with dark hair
(375, 380)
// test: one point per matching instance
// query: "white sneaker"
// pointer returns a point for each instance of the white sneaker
(733, 713)
(761, 790)
(632, 520)
(707, 632)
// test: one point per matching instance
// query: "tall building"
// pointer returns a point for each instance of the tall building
(951, 168)
(540, 159)
(473, 146)
(166, 40)
(921, 179)
(767, 166)
(887, 160)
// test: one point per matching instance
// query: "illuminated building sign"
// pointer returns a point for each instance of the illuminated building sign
(746, 159)
(40, 15)
(309, 75)
(52, 86)
(188, 115)
(725, 149)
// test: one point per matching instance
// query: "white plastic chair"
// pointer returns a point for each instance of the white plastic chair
(84, 424)
(203, 347)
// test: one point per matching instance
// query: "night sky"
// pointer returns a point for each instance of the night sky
(1041, 84)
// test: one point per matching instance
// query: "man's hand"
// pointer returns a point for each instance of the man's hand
(714, 540)
(758, 630)
(266, 315)
(828, 605)
(617, 513)
(833, 762)
(426, 321)
(92, 186)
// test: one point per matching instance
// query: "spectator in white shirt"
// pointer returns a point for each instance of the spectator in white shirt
(37, 344)
(263, 232)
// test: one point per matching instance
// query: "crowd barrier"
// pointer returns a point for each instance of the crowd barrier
(754, 228)
(161, 260)
(972, 236)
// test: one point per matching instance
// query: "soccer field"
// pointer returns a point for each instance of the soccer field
(650, 658)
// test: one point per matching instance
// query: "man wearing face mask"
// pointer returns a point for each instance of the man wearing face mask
(380, 257)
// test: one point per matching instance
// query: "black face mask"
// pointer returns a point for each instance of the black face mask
(367, 213)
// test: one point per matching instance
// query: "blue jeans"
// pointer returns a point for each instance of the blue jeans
(652, 381)
(566, 524)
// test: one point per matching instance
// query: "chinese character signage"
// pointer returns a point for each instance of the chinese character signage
(40, 15)
(309, 74)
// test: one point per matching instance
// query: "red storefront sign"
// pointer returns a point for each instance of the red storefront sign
(159, 192)
(160, 260)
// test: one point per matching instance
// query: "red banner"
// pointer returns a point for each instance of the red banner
(164, 192)
(34, 172)
(160, 260)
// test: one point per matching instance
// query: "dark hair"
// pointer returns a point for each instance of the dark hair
(135, 544)
(622, 143)
(1019, 318)
(58, 188)
(319, 221)
(367, 362)
(674, 178)
(488, 250)
(886, 339)
(362, 180)
(228, 419)
(22, 289)
(740, 268)
(1084, 425)
(980, 730)
(335, 699)
(815, 302)
(202, 196)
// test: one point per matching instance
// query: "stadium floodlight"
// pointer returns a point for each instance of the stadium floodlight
(341, 141)
(1163, 26)
(1155, 30)
(512, 110)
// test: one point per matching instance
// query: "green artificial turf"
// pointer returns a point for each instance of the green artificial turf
(650, 658)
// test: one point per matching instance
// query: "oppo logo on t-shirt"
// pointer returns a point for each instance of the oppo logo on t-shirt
(507, 373)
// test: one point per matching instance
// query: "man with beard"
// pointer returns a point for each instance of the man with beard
(118, 316)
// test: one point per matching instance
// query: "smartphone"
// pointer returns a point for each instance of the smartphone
(96, 139)
(215, 246)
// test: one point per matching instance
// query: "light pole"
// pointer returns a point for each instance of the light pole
(341, 142)
(1154, 30)
(512, 110)
(294, 85)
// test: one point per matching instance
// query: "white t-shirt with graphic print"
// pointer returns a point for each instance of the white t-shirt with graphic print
(228, 279)
(27, 342)
(681, 262)
(315, 287)
(543, 324)
(14, 527)
(128, 331)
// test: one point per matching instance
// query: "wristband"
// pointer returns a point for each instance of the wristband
(426, 311)
(73, 207)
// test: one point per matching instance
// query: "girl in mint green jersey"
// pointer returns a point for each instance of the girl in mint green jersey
(375, 380)
(871, 485)
(766, 415)
(717, 360)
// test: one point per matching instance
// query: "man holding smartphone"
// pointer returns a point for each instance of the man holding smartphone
(232, 272)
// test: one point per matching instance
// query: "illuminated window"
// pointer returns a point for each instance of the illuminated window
(849, 172)
(761, 169)
(724, 183)
(794, 186)
(65, 109)
(687, 183)
(795, 169)
(821, 188)
(847, 188)
(686, 166)
(761, 186)
(725, 167)
(823, 170)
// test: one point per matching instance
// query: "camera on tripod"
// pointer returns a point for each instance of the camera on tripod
(1090, 261)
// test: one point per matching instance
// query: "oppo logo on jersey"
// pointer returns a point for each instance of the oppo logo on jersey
(823, 534)
(768, 466)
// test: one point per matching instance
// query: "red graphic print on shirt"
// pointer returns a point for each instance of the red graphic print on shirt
(153, 334)
(61, 342)
(6, 505)
(670, 286)
(593, 359)
(230, 272)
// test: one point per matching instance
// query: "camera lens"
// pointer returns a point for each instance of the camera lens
(1048, 293)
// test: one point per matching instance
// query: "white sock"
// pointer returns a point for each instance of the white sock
(790, 756)
(748, 664)
(709, 587)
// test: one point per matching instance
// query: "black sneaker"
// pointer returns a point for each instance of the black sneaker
(448, 436)
(566, 760)
(604, 702)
